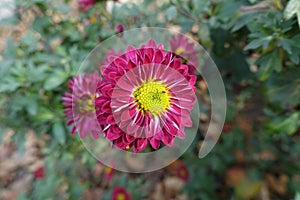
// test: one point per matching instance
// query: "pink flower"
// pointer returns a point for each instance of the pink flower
(39, 173)
(80, 109)
(181, 46)
(108, 173)
(120, 28)
(145, 97)
(86, 4)
(182, 172)
(120, 193)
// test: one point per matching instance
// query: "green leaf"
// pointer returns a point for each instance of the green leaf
(292, 9)
(9, 84)
(254, 44)
(297, 196)
(284, 88)
(59, 132)
(286, 44)
(242, 21)
(30, 104)
(285, 124)
(55, 79)
(171, 13)
(44, 115)
(268, 63)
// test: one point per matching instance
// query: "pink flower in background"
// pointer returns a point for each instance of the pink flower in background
(80, 109)
(182, 172)
(145, 97)
(108, 173)
(120, 193)
(86, 4)
(120, 28)
(39, 173)
(182, 47)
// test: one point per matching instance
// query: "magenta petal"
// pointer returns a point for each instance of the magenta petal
(140, 145)
(158, 57)
(154, 143)
(167, 139)
(112, 135)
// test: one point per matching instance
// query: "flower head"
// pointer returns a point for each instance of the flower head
(182, 172)
(182, 47)
(120, 28)
(108, 173)
(80, 109)
(145, 97)
(39, 173)
(120, 193)
(86, 4)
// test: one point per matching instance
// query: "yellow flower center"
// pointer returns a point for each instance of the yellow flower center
(120, 196)
(179, 50)
(86, 103)
(182, 172)
(108, 170)
(153, 97)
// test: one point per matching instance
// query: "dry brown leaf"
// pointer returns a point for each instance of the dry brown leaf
(240, 156)
(8, 195)
(277, 184)
(36, 165)
(244, 124)
(182, 197)
(92, 194)
(235, 175)
(264, 192)
(158, 193)
(22, 184)
(264, 155)
(172, 186)
(7, 137)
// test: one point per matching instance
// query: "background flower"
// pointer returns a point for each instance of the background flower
(120, 28)
(182, 47)
(86, 4)
(120, 193)
(80, 105)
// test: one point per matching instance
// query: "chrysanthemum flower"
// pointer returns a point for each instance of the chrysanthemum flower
(182, 172)
(145, 97)
(86, 4)
(39, 173)
(108, 173)
(120, 193)
(120, 28)
(182, 47)
(80, 109)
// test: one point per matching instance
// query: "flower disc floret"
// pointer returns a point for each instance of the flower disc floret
(152, 97)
